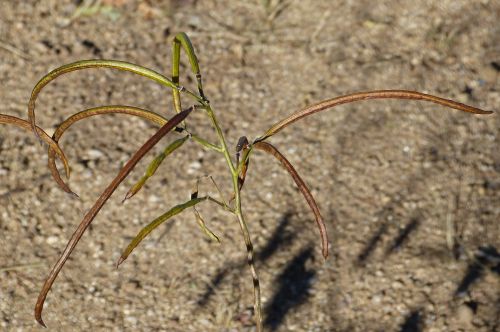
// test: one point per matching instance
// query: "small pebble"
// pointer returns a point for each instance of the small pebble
(51, 240)
(465, 315)
(193, 167)
(94, 154)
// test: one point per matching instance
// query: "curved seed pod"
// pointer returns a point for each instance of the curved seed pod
(112, 109)
(92, 213)
(85, 64)
(182, 39)
(264, 146)
(12, 120)
(377, 94)
(155, 223)
(153, 166)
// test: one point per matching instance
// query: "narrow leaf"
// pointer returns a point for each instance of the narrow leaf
(264, 146)
(91, 214)
(155, 223)
(377, 94)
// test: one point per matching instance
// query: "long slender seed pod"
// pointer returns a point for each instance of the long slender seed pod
(264, 146)
(86, 64)
(91, 214)
(112, 109)
(182, 39)
(153, 166)
(20, 123)
(155, 223)
(377, 94)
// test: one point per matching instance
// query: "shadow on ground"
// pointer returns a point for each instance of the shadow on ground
(280, 238)
(292, 290)
(292, 284)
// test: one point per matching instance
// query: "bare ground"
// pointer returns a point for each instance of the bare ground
(393, 179)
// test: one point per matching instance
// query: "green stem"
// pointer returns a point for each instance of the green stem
(221, 204)
(203, 142)
(239, 214)
(222, 140)
(250, 256)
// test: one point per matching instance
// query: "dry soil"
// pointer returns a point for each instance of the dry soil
(410, 191)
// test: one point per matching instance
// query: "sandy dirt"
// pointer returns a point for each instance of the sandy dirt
(410, 191)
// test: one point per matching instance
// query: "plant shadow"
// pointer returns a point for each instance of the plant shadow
(486, 257)
(397, 243)
(413, 322)
(294, 283)
(403, 235)
(281, 237)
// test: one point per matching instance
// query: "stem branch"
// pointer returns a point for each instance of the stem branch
(241, 219)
